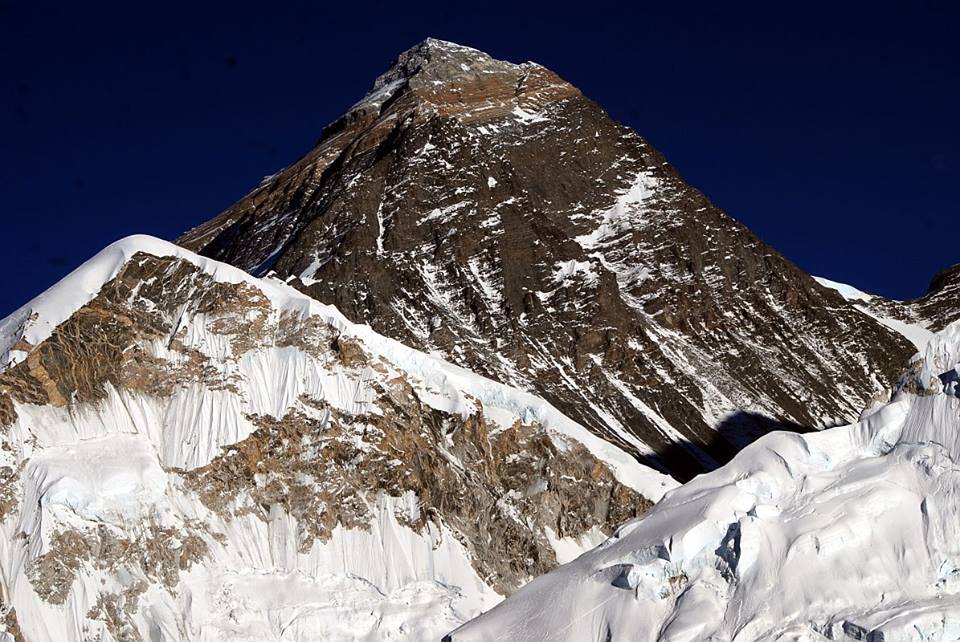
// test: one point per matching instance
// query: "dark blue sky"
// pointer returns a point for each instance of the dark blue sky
(830, 129)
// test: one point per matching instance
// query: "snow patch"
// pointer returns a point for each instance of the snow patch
(618, 220)
(848, 292)
(116, 480)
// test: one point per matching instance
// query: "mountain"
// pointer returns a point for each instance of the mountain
(206, 441)
(916, 319)
(847, 534)
(188, 452)
(490, 213)
(940, 306)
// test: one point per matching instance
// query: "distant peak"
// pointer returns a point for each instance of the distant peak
(434, 48)
(948, 277)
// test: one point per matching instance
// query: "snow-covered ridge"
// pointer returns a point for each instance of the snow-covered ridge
(36, 320)
(848, 292)
(136, 468)
(846, 534)
(917, 333)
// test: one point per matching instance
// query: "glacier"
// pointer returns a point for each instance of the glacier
(851, 533)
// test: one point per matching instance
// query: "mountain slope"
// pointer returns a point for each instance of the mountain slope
(940, 306)
(916, 319)
(192, 453)
(848, 534)
(491, 213)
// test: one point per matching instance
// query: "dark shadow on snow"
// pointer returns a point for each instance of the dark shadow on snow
(685, 460)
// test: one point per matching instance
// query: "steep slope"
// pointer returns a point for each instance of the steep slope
(489, 212)
(896, 315)
(848, 534)
(916, 319)
(192, 453)
(940, 306)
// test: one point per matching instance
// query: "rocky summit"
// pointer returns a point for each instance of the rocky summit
(490, 213)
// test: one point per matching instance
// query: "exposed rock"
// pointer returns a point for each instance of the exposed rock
(158, 554)
(498, 491)
(7, 412)
(115, 611)
(940, 306)
(10, 623)
(917, 318)
(9, 489)
(491, 212)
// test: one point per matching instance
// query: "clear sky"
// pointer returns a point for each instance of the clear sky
(831, 129)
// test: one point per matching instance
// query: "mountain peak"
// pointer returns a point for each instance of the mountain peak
(440, 60)
(947, 277)
(446, 47)
(461, 81)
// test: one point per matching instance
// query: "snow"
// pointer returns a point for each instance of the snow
(528, 117)
(619, 219)
(444, 214)
(566, 272)
(36, 320)
(849, 533)
(916, 333)
(568, 549)
(380, 229)
(116, 480)
(379, 95)
(385, 583)
(848, 292)
(107, 465)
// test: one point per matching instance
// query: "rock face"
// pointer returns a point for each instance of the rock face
(191, 453)
(491, 213)
(936, 309)
(940, 306)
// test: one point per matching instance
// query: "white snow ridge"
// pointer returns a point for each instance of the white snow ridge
(111, 525)
(852, 533)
